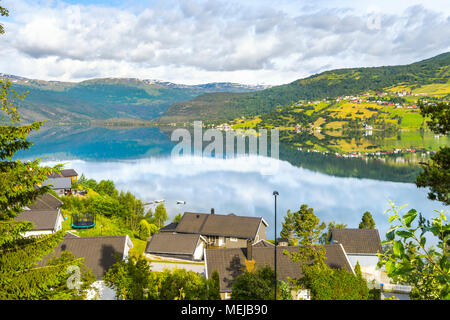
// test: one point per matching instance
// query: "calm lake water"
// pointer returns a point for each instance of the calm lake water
(139, 160)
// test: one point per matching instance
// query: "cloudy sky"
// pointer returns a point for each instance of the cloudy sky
(259, 41)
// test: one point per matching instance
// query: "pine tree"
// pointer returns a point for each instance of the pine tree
(20, 275)
(367, 221)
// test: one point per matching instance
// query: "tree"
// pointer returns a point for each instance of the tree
(308, 232)
(426, 269)
(144, 230)
(258, 284)
(160, 215)
(3, 12)
(104, 205)
(20, 277)
(367, 221)
(331, 225)
(328, 284)
(177, 218)
(133, 280)
(436, 172)
(287, 230)
(107, 187)
(131, 209)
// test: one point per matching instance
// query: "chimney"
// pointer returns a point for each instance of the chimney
(249, 249)
(212, 210)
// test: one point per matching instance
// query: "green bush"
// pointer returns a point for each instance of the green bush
(329, 284)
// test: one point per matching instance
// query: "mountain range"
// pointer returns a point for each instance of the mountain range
(226, 106)
(128, 98)
(107, 98)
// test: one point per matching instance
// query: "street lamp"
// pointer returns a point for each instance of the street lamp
(275, 194)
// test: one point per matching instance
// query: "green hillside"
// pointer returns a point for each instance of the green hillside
(227, 106)
(101, 99)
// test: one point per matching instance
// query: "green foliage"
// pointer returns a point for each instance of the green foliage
(20, 277)
(307, 231)
(214, 286)
(287, 230)
(107, 187)
(3, 12)
(436, 173)
(367, 221)
(328, 284)
(144, 230)
(177, 218)
(259, 285)
(105, 205)
(131, 209)
(228, 106)
(331, 225)
(133, 280)
(160, 215)
(411, 261)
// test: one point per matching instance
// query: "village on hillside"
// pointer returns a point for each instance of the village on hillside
(204, 243)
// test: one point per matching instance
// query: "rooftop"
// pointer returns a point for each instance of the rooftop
(358, 241)
(173, 243)
(230, 263)
(220, 225)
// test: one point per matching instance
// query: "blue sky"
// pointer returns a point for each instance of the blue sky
(190, 42)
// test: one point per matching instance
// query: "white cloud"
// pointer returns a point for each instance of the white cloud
(197, 42)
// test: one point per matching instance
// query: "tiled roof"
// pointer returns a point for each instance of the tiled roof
(58, 183)
(171, 227)
(46, 202)
(219, 225)
(68, 173)
(263, 243)
(360, 241)
(42, 220)
(230, 263)
(98, 252)
(172, 243)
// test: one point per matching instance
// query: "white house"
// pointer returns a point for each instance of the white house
(360, 245)
(45, 214)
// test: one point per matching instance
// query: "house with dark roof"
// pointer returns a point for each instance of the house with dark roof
(183, 246)
(232, 262)
(223, 230)
(361, 246)
(99, 254)
(65, 173)
(44, 213)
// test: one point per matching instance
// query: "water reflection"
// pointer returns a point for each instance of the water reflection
(238, 186)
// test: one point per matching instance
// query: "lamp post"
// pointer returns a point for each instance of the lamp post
(275, 194)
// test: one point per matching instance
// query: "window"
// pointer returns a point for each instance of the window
(233, 239)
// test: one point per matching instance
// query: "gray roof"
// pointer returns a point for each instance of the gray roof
(46, 202)
(359, 241)
(263, 243)
(68, 173)
(172, 243)
(42, 220)
(64, 173)
(219, 225)
(98, 252)
(230, 263)
(58, 183)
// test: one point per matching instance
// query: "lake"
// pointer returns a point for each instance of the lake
(138, 160)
